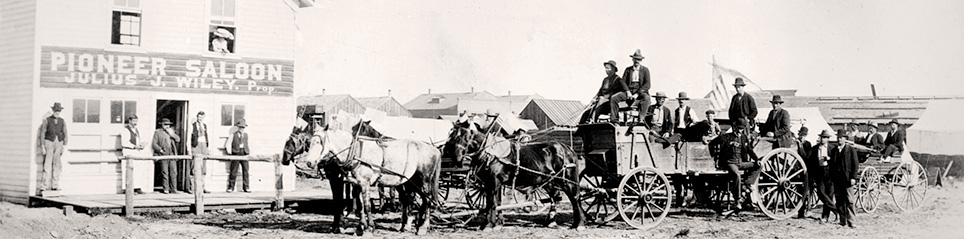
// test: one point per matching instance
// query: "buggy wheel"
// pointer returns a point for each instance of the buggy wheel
(474, 197)
(909, 186)
(644, 197)
(782, 183)
(597, 200)
(868, 189)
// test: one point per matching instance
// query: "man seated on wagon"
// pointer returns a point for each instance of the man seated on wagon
(707, 129)
(896, 138)
(736, 154)
(612, 92)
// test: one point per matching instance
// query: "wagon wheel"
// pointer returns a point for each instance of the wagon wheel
(868, 189)
(644, 197)
(474, 197)
(909, 186)
(782, 183)
(814, 201)
(596, 201)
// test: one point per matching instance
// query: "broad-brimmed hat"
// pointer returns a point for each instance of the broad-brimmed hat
(241, 123)
(804, 130)
(165, 121)
(777, 99)
(894, 121)
(682, 96)
(57, 107)
(825, 134)
(871, 124)
(739, 82)
(637, 55)
(740, 123)
(221, 32)
(611, 63)
(491, 113)
(659, 94)
(842, 133)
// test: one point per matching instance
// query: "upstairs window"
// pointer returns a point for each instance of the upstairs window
(222, 31)
(126, 23)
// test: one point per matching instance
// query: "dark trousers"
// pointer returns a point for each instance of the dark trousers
(890, 150)
(169, 175)
(234, 173)
(845, 202)
(734, 168)
(823, 187)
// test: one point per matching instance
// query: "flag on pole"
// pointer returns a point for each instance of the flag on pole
(723, 90)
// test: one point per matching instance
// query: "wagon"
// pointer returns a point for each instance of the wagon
(630, 176)
(906, 182)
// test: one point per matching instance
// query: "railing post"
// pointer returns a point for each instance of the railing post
(129, 187)
(279, 202)
(198, 184)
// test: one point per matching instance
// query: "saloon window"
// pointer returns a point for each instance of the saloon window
(222, 30)
(231, 114)
(120, 110)
(126, 23)
(86, 111)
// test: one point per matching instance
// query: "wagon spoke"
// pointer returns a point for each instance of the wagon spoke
(650, 211)
(768, 192)
(795, 173)
(657, 189)
(637, 209)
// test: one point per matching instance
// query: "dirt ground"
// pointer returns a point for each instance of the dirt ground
(941, 217)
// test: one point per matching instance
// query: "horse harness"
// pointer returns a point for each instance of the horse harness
(488, 159)
(353, 162)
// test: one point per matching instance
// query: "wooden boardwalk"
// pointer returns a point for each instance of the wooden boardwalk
(114, 203)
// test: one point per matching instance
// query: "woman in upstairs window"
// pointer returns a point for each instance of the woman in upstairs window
(220, 42)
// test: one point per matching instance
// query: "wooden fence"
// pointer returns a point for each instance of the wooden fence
(199, 179)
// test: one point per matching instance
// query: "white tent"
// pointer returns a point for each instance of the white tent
(428, 130)
(809, 116)
(939, 130)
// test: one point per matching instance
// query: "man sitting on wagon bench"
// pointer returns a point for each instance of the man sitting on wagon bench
(735, 154)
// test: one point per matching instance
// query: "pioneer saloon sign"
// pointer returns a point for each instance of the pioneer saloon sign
(63, 67)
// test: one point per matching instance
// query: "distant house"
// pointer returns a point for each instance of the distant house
(386, 104)
(331, 104)
(546, 113)
(433, 105)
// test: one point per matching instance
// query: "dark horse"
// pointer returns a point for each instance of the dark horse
(551, 165)
(412, 167)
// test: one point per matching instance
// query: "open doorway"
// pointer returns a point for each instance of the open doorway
(176, 111)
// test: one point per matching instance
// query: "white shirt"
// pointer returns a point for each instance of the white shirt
(658, 115)
(634, 75)
(201, 138)
(681, 122)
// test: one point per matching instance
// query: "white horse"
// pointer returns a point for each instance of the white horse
(413, 167)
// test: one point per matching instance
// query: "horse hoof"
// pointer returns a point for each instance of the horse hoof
(579, 228)
(359, 231)
(336, 230)
(552, 225)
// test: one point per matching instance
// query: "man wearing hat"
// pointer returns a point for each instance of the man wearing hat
(238, 145)
(803, 145)
(637, 78)
(685, 116)
(712, 128)
(853, 131)
(133, 145)
(612, 91)
(659, 118)
(52, 139)
(843, 174)
(817, 161)
(735, 154)
(742, 105)
(778, 124)
(165, 143)
(894, 144)
(873, 140)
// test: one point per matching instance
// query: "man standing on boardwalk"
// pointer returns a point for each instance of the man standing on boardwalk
(164, 143)
(133, 145)
(238, 143)
(843, 172)
(52, 139)
(199, 146)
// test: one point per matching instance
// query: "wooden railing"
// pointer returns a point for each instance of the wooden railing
(199, 178)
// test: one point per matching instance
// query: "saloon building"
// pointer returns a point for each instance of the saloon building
(105, 60)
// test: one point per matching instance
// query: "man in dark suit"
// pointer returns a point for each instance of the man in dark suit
(165, 143)
(873, 140)
(894, 144)
(611, 93)
(238, 143)
(778, 124)
(659, 117)
(843, 173)
(637, 78)
(742, 105)
(735, 154)
(818, 170)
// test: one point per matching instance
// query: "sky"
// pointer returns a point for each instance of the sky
(556, 48)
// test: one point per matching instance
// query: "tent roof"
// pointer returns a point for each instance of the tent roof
(938, 131)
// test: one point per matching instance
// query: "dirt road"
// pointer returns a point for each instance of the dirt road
(941, 217)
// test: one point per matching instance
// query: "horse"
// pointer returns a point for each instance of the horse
(412, 167)
(550, 165)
